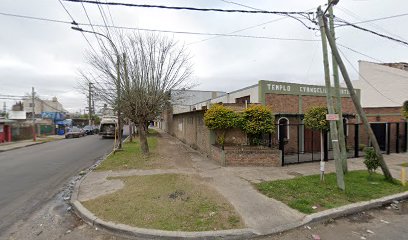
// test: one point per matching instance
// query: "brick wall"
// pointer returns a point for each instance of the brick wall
(282, 103)
(384, 114)
(247, 156)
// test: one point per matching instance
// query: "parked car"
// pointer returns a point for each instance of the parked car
(75, 132)
(89, 130)
(95, 129)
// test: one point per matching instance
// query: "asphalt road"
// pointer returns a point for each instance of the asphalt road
(31, 176)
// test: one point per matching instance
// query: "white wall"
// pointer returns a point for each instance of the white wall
(251, 91)
(391, 82)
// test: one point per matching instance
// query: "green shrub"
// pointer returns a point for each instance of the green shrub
(405, 109)
(371, 159)
(255, 121)
(220, 118)
(315, 118)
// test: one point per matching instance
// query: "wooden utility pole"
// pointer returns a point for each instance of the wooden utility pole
(33, 115)
(118, 100)
(340, 126)
(359, 109)
(89, 104)
(330, 107)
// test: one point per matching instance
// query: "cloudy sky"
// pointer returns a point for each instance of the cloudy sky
(48, 55)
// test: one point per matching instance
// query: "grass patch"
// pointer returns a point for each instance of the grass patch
(302, 193)
(131, 157)
(171, 202)
(405, 164)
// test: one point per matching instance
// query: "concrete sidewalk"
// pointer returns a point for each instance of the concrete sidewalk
(25, 143)
(261, 214)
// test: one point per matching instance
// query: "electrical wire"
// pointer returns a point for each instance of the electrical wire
(90, 23)
(363, 54)
(188, 8)
(379, 19)
(158, 30)
(371, 31)
(242, 29)
(73, 22)
(365, 80)
(354, 15)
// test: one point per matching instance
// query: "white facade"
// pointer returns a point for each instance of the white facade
(251, 91)
(183, 100)
(382, 85)
(43, 106)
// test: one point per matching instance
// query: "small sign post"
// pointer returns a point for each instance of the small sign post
(332, 117)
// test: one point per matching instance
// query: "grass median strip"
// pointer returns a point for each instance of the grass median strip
(131, 157)
(307, 194)
(171, 202)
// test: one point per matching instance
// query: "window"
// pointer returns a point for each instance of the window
(283, 128)
(243, 99)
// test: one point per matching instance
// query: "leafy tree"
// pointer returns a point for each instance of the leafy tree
(220, 118)
(405, 109)
(315, 118)
(257, 120)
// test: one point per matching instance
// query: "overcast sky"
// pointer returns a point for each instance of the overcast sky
(48, 55)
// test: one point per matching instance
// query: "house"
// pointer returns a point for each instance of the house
(41, 106)
(288, 101)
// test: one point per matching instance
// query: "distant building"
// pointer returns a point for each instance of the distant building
(182, 100)
(384, 88)
(41, 106)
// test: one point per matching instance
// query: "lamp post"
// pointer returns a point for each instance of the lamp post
(117, 79)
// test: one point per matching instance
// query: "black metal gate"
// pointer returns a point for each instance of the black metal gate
(300, 145)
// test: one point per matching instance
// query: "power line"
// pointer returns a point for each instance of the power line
(162, 31)
(365, 55)
(188, 8)
(379, 19)
(365, 80)
(242, 29)
(371, 31)
(90, 23)
(354, 15)
(73, 22)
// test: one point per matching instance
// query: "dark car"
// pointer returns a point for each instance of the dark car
(89, 130)
(95, 129)
(74, 132)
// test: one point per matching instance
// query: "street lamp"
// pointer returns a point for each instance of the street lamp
(117, 80)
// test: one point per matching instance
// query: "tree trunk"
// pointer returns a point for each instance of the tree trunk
(130, 132)
(143, 138)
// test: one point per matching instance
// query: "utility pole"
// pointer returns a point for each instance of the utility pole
(33, 112)
(340, 126)
(330, 107)
(359, 109)
(118, 101)
(89, 104)
(4, 109)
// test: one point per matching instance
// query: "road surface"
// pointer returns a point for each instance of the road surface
(31, 176)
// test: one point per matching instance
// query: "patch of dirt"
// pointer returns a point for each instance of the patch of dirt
(362, 217)
(172, 154)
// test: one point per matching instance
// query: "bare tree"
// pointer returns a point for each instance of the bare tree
(150, 66)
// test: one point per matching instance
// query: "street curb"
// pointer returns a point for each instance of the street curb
(128, 231)
(31, 144)
(340, 212)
